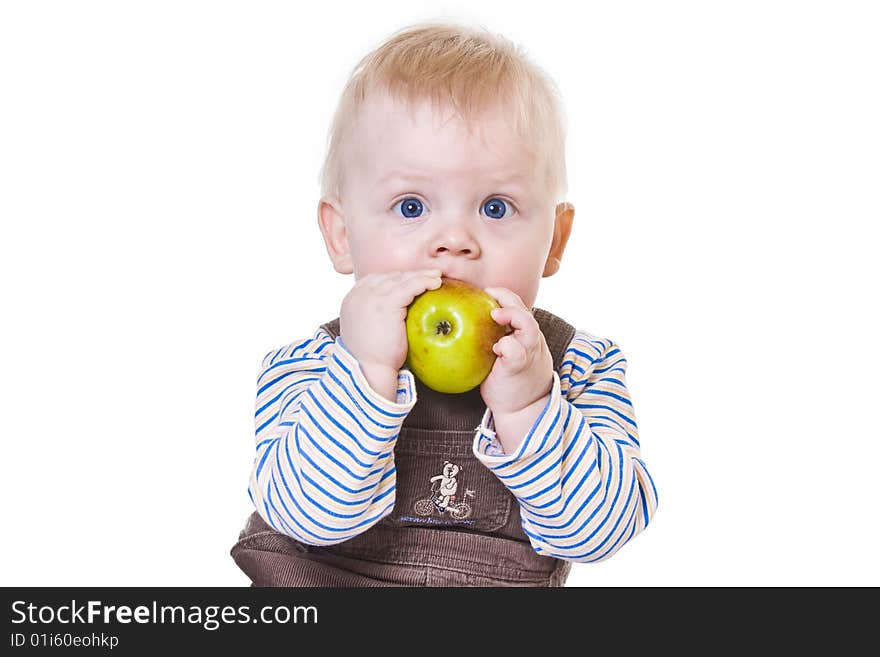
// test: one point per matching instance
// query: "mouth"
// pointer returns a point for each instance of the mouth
(457, 277)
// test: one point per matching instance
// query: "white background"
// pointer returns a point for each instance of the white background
(158, 188)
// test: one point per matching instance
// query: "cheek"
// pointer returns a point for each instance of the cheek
(519, 267)
(521, 275)
(377, 253)
(528, 291)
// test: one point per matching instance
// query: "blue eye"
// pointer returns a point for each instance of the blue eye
(495, 208)
(410, 207)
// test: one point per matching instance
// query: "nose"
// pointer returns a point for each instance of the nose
(454, 239)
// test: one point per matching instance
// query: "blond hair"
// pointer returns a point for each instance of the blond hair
(473, 70)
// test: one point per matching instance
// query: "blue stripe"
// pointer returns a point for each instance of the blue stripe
(324, 345)
(578, 437)
(550, 540)
(308, 497)
(517, 458)
(297, 469)
(311, 370)
(293, 399)
(281, 394)
(583, 354)
(573, 468)
(611, 394)
(305, 343)
(558, 498)
(330, 477)
(577, 384)
(616, 544)
(624, 538)
(290, 530)
(345, 409)
(276, 355)
(268, 515)
(618, 427)
(357, 389)
(650, 480)
(613, 368)
(532, 462)
(332, 439)
(550, 467)
(263, 460)
(388, 473)
(565, 502)
(263, 442)
(289, 514)
(284, 527)
(265, 424)
(552, 502)
(609, 380)
(329, 457)
(268, 403)
(349, 528)
(573, 518)
(573, 365)
(644, 506)
(608, 516)
(339, 426)
(606, 408)
(593, 466)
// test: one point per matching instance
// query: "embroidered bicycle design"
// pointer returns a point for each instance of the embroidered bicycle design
(443, 495)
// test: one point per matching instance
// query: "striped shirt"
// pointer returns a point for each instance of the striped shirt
(324, 466)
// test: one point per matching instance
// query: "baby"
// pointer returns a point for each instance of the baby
(446, 159)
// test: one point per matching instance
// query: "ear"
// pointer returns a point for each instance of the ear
(332, 224)
(561, 231)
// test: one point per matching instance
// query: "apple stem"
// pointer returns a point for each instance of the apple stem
(444, 327)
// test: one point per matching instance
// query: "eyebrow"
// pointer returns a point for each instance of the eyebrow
(507, 179)
(401, 175)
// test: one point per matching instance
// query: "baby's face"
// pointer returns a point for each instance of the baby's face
(420, 192)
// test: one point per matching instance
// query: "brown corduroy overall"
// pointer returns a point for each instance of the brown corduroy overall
(453, 523)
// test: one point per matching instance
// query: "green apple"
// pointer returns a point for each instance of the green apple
(450, 334)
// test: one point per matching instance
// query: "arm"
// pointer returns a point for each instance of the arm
(577, 472)
(324, 466)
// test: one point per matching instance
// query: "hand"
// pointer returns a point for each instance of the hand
(522, 376)
(372, 321)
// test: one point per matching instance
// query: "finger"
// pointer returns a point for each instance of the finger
(509, 350)
(431, 273)
(507, 298)
(403, 278)
(521, 325)
(429, 279)
(521, 321)
(407, 289)
(378, 279)
(399, 276)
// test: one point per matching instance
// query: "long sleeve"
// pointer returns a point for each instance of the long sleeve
(324, 465)
(583, 488)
